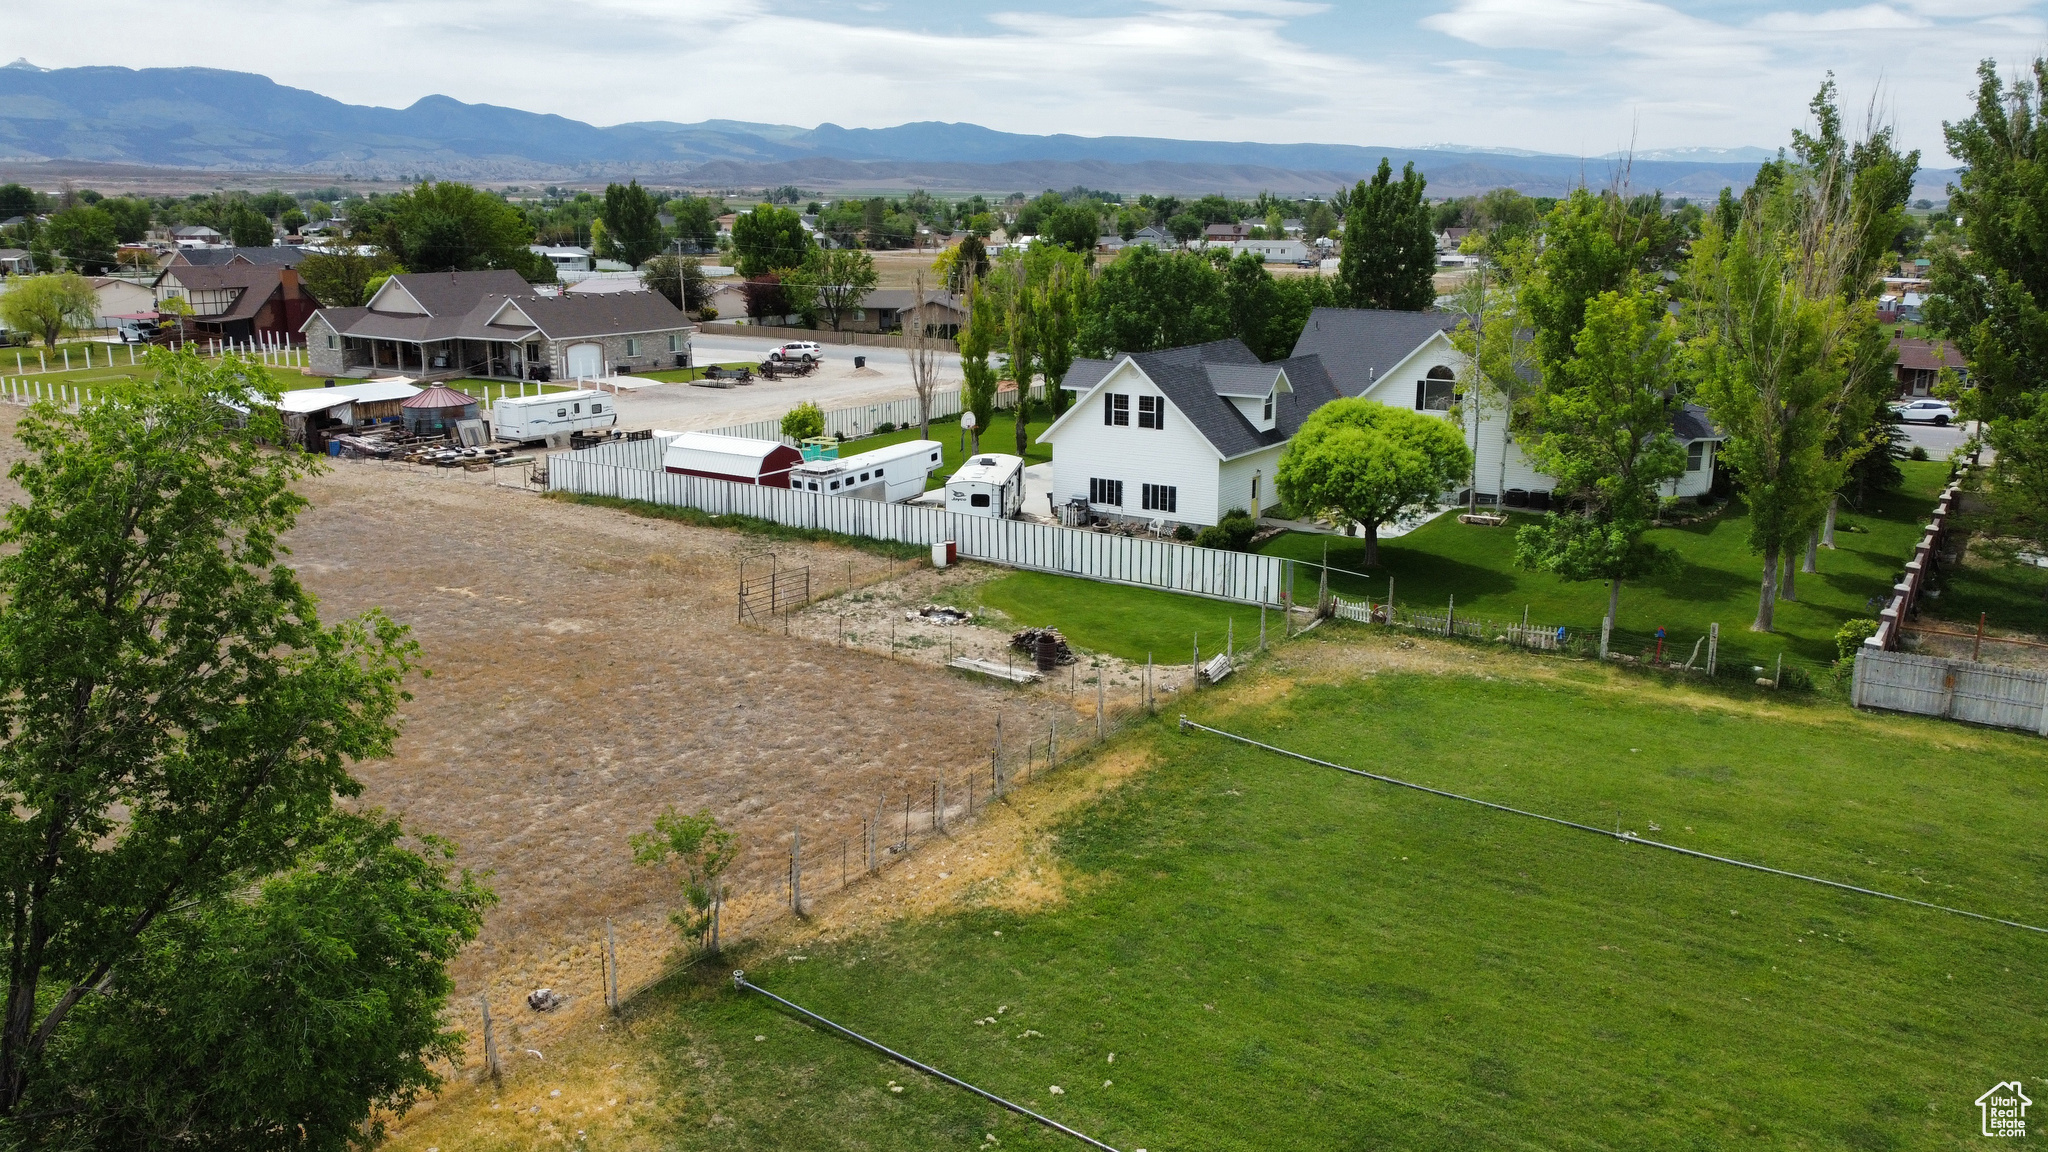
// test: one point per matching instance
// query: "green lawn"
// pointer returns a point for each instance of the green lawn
(1281, 956)
(999, 436)
(2011, 597)
(1122, 621)
(1716, 582)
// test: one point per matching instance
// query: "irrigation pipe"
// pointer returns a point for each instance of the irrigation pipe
(739, 980)
(1624, 837)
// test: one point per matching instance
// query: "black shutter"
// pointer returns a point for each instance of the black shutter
(1421, 394)
(1108, 408)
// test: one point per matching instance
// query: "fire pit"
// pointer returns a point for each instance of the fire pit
(939, 614)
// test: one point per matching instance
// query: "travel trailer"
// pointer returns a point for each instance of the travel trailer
(523, 418)
(893, 474)
(991, 484)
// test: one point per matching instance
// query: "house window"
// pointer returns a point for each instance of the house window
(1116, 409)
(1433, 393)
(1161, 498)
(532, 353)
(1110, 492)
(1695, 455)
(330, 341)
(1255, 489)
(632, 347)
(1151, 411)
(675, 342)
(1268, 416)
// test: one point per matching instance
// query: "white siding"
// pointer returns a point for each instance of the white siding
(1235, 481)
(1083, 447)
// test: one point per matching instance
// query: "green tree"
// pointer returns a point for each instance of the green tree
(1075, 227)
(977, 339)
(1604, 432)
(177, 721)
(1367, 463)
(1186, 227)
(312, 1005)
(1389, 256)
(1020, 338)
(970, 263)
(450, 227)
(839, 279)
(1256, 305)
(1061, 301)
(341, 278)
(1589, 247)
(16, 200)
(247, 227)
(806, 421)
(680, 278)
(50, 305)
(1497, 348)
(632, 223)
(1148, 300)
(1991, 291)
(767, 239)
(82, 239)
(699, 851)
(696, 220)
(130, 216)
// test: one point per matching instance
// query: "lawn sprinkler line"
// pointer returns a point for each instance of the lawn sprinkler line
(1624, 837)
(739, 980)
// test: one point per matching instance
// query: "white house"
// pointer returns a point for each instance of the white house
(1405, 359)
(1271, 251)
(1180, 436)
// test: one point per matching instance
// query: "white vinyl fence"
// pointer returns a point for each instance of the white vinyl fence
(623, 470)
(1954, 689)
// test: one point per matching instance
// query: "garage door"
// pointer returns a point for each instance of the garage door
(586, 361)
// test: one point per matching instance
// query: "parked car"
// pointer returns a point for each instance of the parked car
(805, 351)
(1929, 411)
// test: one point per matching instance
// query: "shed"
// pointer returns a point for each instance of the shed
(435, 411)
(736, 458)
(309, 412)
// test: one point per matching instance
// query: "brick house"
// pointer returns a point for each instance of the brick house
(492, 324)
(1921, 361)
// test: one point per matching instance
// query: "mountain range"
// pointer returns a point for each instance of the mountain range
(212, 119)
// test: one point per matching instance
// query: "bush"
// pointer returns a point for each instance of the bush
(804, 421)
(1851, 635)
(885, 427)
(1918, 453)
(1233, 534)
(1183, 533)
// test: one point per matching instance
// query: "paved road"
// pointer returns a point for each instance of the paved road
(1939, 442)
(836, 384)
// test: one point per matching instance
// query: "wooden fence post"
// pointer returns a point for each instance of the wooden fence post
(1713, 647)
(611, 978)
(490, 1042)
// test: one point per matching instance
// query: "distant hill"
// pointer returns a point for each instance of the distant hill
(204, 118)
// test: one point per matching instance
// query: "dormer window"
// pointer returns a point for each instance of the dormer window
(1151, 411)
(1267, 416)
(1116, 409)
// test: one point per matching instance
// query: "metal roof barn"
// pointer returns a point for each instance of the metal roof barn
(763, 462)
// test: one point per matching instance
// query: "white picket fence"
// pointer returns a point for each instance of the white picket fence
(1954, 689)
(631, 470)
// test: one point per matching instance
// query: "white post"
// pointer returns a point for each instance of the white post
(43, 359)
(88, 358)
(1606, 625)
(1713, 646)
(67, 359)
(131, 355)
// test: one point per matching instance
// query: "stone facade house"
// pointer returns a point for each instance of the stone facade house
(492, 324)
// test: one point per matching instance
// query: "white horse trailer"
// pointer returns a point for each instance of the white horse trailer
(991, 484)
(892, 474)
(523, 418)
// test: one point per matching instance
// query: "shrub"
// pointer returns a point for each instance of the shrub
(804, 421)
(1918, 453)
(885, 427)
(1234, 533)
(1183, 533)
(1851, 635)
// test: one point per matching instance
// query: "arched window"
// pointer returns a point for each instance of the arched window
(1434, 391)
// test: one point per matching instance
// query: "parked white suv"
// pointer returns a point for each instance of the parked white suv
(805, 351)
(1935, 412)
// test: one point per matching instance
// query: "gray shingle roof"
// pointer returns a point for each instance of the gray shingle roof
(458, 293)
(1358, 345)
(601, 314)
(1085, 374)
(1248, 380)
(280, 255)
(1183, 374)
(1690, 422)
(462, 304)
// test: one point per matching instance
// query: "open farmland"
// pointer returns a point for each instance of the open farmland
(1281, 956)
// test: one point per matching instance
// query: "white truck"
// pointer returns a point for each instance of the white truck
(521, 419)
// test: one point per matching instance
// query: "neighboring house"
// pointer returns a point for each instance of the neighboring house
(566, 259)
(196, 236)
(1225, 233)
(1921, 361)
(1272, 251)
(15, 262)
(1449, 239)
(1155, 236)
(273, 256)
(1406, 360)
(605, 282)
(237, 301)
(729, 301)
(121, 300)
(887, 309)
(1291, 227)
(494, 324)
(1181, 436)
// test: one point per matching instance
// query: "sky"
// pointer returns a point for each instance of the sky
(1579, 77)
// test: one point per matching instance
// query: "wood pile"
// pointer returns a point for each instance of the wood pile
(1026, 642)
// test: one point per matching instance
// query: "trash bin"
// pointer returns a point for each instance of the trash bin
(860, 361)
(944, 552)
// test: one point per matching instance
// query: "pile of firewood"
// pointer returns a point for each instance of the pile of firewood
(1027, 643)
